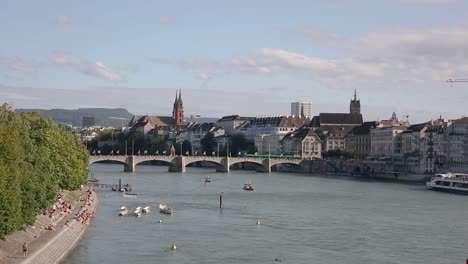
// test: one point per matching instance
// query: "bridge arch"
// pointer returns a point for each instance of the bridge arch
(259, 166)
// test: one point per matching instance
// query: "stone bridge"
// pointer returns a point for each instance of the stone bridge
(178, 163)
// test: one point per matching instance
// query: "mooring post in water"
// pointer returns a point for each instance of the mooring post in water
(221, 200)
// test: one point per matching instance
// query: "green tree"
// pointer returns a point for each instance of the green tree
(209, 143)
(37, 158)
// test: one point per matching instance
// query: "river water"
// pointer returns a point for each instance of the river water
(303, 219)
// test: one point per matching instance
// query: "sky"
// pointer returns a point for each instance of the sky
(246, 57)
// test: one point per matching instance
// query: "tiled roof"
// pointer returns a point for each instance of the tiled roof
(280, 121)
(337, 131)
(435, 128)
(158, 121)
(364, 129)
(234, 117)
(417, 127)
(300, 133)
(340, 119)
(315, 121)
(200, 127)
(461, 120)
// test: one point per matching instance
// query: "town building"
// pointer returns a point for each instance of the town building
(232, 123)
(358, 140)
(458, 145)
(434, 148)
(336, 137)
(301, 109)
(160, 125)
(195, 132)
(385, 142)
(409, 158)
(267, 132)
(326, 121)
(335, 126)
(302, 142)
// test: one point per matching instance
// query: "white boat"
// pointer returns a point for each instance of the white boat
(146, 209)
(123, 210)
(137, 211)
(163, 208)
(451, 182)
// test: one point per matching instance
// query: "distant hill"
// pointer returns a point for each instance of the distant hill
(113, 117)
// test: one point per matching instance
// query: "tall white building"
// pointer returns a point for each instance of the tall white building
(299, 108)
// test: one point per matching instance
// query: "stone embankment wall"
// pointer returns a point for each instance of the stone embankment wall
(46, 246)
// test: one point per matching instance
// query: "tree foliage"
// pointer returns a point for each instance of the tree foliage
(37, 159)
(209, 143)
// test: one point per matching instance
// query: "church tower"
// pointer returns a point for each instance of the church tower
(355, 105)
(178, 110)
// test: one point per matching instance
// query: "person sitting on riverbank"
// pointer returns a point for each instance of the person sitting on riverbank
(50, 227)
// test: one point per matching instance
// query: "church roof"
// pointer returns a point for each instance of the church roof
(336, 119)
(157, 121)
(279, 121)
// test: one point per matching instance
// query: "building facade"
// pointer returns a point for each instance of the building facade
(267, 132)
(458, 145)
(434, 149)
(303, 142)
(385, 141)
(358, 140)
(232, 123)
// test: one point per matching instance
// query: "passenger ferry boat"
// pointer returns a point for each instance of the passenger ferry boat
(452, 182)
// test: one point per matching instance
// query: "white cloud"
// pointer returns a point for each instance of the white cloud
(203, 76)
(73, 61)
(64, 20)
(18, 64)
(415, 55)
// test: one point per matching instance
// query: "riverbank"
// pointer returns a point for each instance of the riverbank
(49, 246)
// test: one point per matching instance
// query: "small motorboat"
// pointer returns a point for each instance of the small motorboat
(137, 211)
(163, 208)
(208, 179)
(248, 187)
(146, 209)
(123, 210)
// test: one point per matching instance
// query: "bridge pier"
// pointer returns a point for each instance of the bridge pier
(129, 165)
(224, 165)
(177, 164)
(266, 166)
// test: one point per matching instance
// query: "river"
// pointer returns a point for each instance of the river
(303, 219)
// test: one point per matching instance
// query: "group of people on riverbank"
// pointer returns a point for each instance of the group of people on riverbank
(59, 209)
(85, 216)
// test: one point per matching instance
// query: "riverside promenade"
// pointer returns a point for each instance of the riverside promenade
(45, 246)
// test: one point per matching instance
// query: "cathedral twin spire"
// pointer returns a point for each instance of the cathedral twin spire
(178, 110)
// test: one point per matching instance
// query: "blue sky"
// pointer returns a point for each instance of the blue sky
(237, 57)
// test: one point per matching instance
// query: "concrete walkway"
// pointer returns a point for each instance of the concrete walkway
(52, 246)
